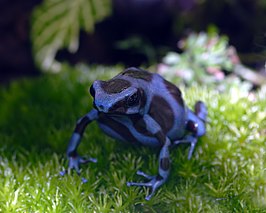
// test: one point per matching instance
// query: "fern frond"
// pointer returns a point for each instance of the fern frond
(56, 24)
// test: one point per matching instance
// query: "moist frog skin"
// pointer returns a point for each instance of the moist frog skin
(141, 107)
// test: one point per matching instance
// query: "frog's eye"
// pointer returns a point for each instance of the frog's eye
(133, 100)
(92, 91)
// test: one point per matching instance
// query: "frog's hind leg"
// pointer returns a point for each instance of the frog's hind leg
(195, 126)
(155, 181)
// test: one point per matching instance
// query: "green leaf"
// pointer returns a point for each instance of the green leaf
(56, 24)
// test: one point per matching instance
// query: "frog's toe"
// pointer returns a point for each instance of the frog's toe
(147, 184)
(193, 142)
(84, 180)
(85, 161)
(74, 163)
(188, 140)
(140, 173)
(62, 173)
(148, 197)
(154, 183)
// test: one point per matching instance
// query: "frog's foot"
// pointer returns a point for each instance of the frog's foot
(155, 181)
(188, 139)
(75, 162)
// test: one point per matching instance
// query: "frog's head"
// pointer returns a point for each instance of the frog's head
(117, 96)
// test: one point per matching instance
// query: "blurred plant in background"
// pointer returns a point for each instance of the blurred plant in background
(207, 58)
(56, 24)
(139, 45)
(204, 57)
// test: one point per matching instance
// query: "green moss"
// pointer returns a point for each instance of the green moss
(225, 174)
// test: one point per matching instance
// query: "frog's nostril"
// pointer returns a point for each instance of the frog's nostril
(100, 107)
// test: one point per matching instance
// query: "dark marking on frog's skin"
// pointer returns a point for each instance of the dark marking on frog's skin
(197, 108)
(118, 107)
(121, 107)
(192, 127)
(81, 125)
(92, 91)
(165, 119)
(165, 164)
(143, 98)
(161, 137)
(174, 91)
(138, 74)
(115, 85)
(139, 125)
(117, 127)
(199, 111)
(159, 177)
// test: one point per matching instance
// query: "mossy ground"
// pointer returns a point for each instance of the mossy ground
(37, 116)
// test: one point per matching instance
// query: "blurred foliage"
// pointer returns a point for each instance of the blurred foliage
(139, 45)
(56, 24)
(204, 57)
(207, 58)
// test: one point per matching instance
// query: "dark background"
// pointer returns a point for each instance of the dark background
(158, 25)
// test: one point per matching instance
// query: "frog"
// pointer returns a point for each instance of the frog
(142, 108)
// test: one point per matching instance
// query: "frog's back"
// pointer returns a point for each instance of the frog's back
(167, 107)
(163, 102)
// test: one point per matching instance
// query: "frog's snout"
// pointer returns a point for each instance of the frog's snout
(101, 106)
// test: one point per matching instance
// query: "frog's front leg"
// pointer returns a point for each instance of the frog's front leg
(164, 158)
(74, 159)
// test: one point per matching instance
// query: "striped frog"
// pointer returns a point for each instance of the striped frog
(140, 106)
